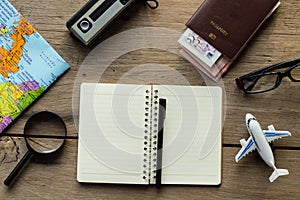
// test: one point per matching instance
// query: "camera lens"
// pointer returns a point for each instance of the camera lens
(84, 25)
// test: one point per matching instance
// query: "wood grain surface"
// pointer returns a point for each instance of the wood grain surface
(55, 177)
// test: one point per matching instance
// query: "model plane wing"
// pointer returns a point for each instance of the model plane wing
(272, 134)
(247, 147)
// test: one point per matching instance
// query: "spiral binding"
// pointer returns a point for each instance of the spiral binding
(150, 135)
(147, 137)
(155, 107)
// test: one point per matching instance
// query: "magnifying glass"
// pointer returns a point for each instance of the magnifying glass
(44, 133)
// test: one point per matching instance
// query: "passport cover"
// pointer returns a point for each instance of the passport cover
(229, 24)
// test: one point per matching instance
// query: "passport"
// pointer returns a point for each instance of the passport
(228, 25)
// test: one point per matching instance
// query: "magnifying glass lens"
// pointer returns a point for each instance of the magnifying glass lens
(45, 132)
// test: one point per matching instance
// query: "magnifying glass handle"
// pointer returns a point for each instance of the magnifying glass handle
(17, 169)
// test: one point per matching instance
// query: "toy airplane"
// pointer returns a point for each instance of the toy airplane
(259, 140)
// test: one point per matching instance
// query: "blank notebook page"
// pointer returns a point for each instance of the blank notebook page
(193, 114)
(111, 132)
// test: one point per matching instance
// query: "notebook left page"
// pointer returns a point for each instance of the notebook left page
(111, 134)
(28, 64)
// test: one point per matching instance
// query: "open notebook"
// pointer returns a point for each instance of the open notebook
(118, 126)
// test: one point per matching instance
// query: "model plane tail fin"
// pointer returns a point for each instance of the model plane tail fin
(277, 173)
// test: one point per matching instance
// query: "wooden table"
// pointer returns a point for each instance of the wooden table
(277, 40)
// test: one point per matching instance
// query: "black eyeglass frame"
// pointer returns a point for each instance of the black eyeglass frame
(265, 72)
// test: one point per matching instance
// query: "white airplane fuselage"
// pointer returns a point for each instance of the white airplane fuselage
(261, 143)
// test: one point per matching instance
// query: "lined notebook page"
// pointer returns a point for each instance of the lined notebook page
(111, 133)
(192, 114)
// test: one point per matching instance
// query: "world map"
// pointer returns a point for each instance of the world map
(28, 64)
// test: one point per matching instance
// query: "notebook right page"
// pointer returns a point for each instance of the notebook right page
(193, 121)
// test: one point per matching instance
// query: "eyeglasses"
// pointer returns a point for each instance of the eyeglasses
(264, 80)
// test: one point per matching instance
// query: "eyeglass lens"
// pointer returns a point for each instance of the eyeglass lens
(295, 73)
(260, 83)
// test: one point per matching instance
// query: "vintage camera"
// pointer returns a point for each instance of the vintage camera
(94, 17)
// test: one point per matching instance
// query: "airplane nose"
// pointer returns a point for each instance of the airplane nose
(249, 116)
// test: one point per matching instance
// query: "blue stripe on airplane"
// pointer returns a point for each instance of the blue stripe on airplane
(246, 149)
(274, 134)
